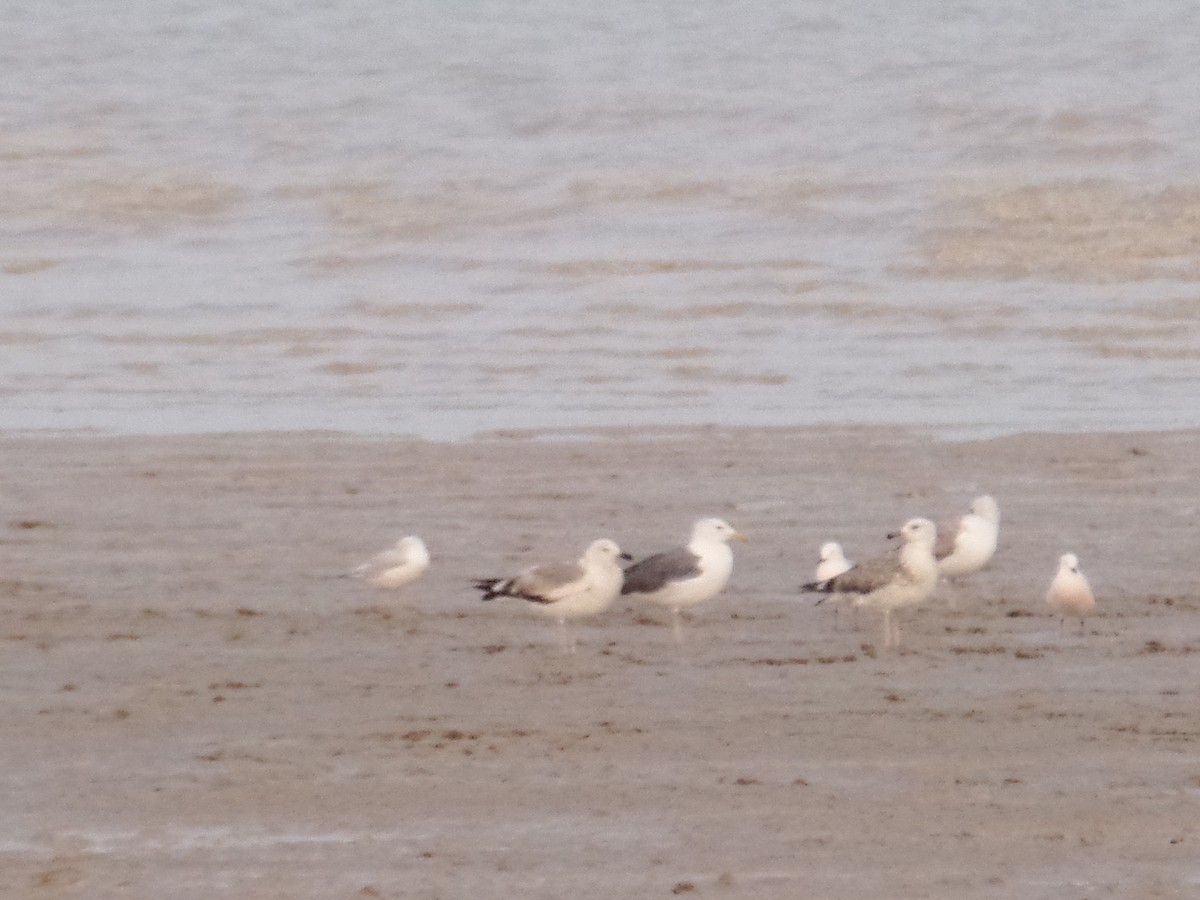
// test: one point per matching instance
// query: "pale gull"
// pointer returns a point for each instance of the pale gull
(1070, 595)
(685, 576)
(396, 566)
(966, 546)
(565, 590)
(903, 577)
(832, 562)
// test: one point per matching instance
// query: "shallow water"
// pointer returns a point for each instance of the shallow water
(446, 219)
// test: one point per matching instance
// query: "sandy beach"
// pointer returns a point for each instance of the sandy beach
(197, 706)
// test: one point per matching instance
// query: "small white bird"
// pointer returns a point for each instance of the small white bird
(966, 546)
(833, 562)
(685, 576)
(1070, 595)
(903, 577)
(565, 590)
(396, 566)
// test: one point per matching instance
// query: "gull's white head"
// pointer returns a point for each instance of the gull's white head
(919, 531)
(715, 530)
(604, 549)
(413, 547)
(832, 551)
(986, 508)
(1069, 562)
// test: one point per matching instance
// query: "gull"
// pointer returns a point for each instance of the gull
(832, 562)
(966, 546)
(565, 590)
(1070, 594)
(685, 576)
(398, 565)
(903, 577)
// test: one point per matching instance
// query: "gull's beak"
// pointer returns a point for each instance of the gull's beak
(738, 536)
(628, 557)
(892, 535)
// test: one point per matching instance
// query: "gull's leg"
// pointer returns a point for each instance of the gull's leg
(566, 638)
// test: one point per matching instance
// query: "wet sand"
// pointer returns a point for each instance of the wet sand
(195, 706)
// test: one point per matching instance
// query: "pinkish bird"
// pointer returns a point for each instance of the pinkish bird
(1070, 595)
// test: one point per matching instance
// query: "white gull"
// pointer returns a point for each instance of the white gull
(832, 561)
(966, 546)
(1070, 594)
(396, 566)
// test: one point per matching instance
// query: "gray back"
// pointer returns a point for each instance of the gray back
(655, 572)
(536, 583)
(946, 536)
(867, 576)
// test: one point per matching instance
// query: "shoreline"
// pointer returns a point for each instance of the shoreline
(953, 434)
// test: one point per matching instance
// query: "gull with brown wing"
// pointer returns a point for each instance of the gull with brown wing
(903, 577)
(565, 590)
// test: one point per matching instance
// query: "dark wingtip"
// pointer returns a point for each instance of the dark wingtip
(486, 585)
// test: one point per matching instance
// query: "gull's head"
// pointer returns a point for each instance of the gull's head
(1069, 562)
(605, 549)
(831, 551)
(715, 530)
(413, 548)
(986, 508)
(920, 531)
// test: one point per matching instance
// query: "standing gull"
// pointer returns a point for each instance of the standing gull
(397, 565)
(565, 590)
(1070, 595)
(685, 576)
(903, 577)
(966, 546)
(832, 562)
